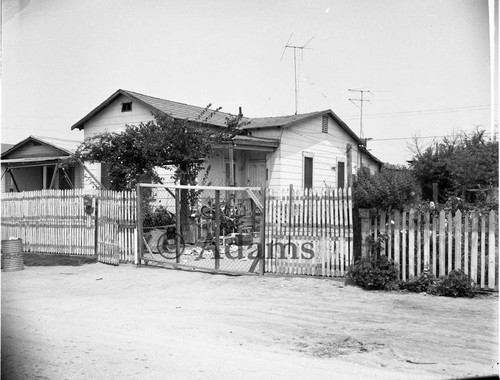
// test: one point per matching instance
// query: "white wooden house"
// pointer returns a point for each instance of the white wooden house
(310, 150)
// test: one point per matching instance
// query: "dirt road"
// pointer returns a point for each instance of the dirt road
(103, 322)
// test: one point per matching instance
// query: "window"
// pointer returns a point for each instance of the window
(127, 107)
(324, 126)
(340, 174)
(308, 172)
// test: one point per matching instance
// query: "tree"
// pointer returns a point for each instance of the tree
(462, 162)
(394, 187)
(134, 155)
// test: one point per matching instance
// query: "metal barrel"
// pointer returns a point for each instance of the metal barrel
(12, 255)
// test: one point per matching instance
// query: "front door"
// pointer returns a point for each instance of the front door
(257, 174)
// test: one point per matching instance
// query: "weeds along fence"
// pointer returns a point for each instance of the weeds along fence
(437, 241)
(309, 232)
(73, 222)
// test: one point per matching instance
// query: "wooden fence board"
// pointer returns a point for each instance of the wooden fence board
(442, 242)
(54, 221)
(483, 251)
(427, 242)
(397, 237)
(317, 219)
(466, 243)
(434, 244)
(474, 247)
(404, 238)
(492, 251)
(458, 240)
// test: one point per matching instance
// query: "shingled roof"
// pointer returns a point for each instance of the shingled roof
(66, 147)
(185, 111)
(174, 109)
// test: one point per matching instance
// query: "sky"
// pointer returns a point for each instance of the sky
(425, 63)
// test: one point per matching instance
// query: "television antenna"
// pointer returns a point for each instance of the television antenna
(295, 48)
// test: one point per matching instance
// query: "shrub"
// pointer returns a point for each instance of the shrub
(160, 217)
(422, 283)
(373, 273)
(392, 188)
(455, 284)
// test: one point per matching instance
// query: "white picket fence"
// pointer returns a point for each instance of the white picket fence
(49, 221)
(440, 242)
(309, 231)
(56, 221)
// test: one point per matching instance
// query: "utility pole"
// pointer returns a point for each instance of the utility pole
(361, 100)
(301, 48)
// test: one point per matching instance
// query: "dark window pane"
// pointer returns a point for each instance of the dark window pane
(340, 175)
(308, 172)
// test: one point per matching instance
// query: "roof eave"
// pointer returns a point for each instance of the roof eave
(8, 151)
(81, 123)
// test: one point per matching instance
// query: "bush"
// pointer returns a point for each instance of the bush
(373, 273)
(392, 188)
(420, 284)
(456, 284)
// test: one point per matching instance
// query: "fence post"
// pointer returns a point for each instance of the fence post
(364, 217)
(96, 226)
(262, 250)
(217, 229)
(138, 206)
(178, 210)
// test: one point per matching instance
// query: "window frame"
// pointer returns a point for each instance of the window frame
(306, 156)
(126, 106)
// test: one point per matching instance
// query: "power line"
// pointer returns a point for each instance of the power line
(423, 111)
(418, 137)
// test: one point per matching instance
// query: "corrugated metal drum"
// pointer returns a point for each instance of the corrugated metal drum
(12, 255)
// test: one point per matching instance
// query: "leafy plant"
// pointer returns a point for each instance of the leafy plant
(455, 284)
(458, 163)
(392, 188)
(158, 218)
(420, 284)
(374, 273)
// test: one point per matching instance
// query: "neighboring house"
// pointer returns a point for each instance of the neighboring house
(310, 150)
(36, 163)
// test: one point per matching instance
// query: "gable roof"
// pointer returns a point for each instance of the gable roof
(290, 120)
(65, 147)
(185, 111)
(174, 109)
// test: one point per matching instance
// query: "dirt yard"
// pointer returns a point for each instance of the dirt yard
(101, 322)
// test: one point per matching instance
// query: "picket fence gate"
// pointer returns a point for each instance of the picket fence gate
(309, 232)
(73, 222)
(436, 241)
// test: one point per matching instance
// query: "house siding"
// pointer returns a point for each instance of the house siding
(286, 165)
(32, 149)
(112, 119)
